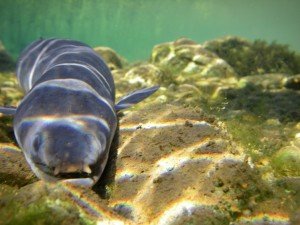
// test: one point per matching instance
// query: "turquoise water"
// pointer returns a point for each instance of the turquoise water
(132, 27)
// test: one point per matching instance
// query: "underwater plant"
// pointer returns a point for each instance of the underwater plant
(257, 57)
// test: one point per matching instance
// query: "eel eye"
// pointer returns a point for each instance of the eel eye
(37, 142)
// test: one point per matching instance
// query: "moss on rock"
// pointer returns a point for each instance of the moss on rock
(257, 57)
(287, 161)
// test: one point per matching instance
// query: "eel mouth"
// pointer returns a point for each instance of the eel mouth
(76, 171)
(73, 175)
(67, 172)
(72, 171)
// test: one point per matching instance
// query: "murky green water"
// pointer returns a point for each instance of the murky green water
(132, 27)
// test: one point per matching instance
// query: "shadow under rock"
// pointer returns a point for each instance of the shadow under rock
(283, 104)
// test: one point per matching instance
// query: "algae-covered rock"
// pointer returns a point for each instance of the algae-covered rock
(15, 171)
(6, 61)
(188, 57)
(113, 60)
(42, 203)
(265, 81)
(257, 57)
(10, 95)
(140, 76)
(287, 161)
(263, 97)
(177, 165)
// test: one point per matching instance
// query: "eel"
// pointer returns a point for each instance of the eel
(66, 122)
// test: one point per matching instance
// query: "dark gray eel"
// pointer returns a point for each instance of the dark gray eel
(67, 120)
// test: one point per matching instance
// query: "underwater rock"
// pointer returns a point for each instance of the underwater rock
(110, 57)
(286, 161)
(264, 81)
(6, 61)
(185, 56)
(45, 203)
(257, 95)
(139, 76)
(14, 169)
(10, 93)
(257, 57)
(168, 163)
(293, 82)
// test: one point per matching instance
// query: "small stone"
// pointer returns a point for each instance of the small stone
(157, 180)
(296, 143)
(273, 122)
(188, 123)
(247, 212)
(225, 190)
(124, 210)
(218, 183)
(287, 161)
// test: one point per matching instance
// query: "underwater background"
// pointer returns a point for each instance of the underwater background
(217, 144)
(132, 27)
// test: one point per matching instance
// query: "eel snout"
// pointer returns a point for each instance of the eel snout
(72, 171)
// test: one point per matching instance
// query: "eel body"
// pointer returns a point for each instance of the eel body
(66, 122)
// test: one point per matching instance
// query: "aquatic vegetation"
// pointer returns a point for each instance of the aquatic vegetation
(287, 161)
(257, 57)
(42, 212)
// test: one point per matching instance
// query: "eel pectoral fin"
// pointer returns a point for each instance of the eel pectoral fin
(10, 110)
(135, 97)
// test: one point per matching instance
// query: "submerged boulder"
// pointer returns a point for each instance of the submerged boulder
(140, 76)
(257, 57)
(113, 60)
(286, 161)
(177, 165)
(185, 56)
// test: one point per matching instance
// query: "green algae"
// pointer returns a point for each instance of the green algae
(42, 212)
(257, 57)
(261, 134)
(287, 161)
